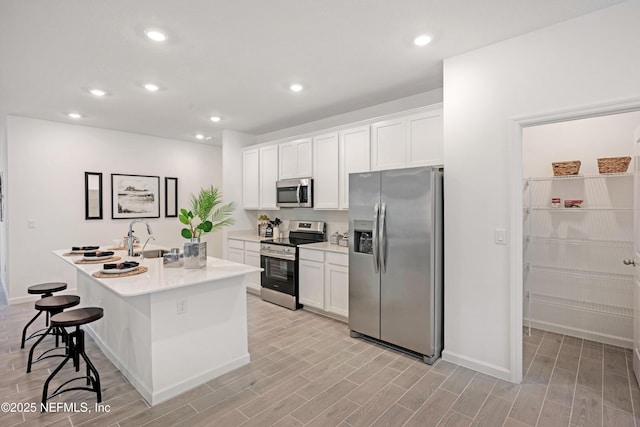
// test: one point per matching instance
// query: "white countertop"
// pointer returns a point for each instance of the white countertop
(159, 278)
(326, 246)
(246, 235)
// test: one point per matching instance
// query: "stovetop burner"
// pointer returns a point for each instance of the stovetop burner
(290, 241)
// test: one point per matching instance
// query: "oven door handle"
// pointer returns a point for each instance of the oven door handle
(279, 256)
(376, 213)
(298, 194)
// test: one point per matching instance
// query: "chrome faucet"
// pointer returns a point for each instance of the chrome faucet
(130, 234)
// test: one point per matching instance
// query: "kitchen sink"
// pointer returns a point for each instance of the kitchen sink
(153, 253)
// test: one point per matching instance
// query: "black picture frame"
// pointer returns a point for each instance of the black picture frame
(170, 197)
(135, 196)
(92, 195)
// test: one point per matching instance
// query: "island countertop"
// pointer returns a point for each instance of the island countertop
(166, 318)
(158, 278)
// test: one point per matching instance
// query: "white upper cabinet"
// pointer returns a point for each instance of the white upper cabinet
(425, 139)
(295, 159)
(268, 176)
(250, 179)
(326, 179)
(414, 140)
(388, 144)
(354, 158)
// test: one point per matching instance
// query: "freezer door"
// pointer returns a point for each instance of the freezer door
(407, 268)
(364, 280)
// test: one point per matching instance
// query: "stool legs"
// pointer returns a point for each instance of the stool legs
(46, 322)
(24, 331)
(75, 350)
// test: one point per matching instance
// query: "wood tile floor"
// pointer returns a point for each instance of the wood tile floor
(306, 370)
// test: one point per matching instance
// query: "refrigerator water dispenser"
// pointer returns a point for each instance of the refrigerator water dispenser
(363, 237)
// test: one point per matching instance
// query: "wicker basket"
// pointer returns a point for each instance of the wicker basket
(613, 164)
(566, 168)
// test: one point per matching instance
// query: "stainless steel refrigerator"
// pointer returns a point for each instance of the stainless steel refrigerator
(395, 258)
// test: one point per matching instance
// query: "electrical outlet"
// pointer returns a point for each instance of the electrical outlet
(181, 306)
(31, 223)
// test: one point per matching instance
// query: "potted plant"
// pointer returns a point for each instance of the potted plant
(207, 214)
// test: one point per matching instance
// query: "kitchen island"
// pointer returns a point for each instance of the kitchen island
(169, 329)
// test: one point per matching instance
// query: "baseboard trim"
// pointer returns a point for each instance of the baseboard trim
(476, 365)
(580, 333)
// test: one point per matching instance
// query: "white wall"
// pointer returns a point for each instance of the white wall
(4, 227)
(586, 140)
(365, 114)
(46, 165)
(233, 143)
(589, 60)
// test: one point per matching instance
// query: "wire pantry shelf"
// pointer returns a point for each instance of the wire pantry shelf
(567, 241)
(582, 305)
(573, 177)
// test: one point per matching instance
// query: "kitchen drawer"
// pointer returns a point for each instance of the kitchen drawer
(312, 255)
(237, 244)
(252, 246)
(337, 259)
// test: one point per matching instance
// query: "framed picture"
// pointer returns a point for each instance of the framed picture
(170, 197)
(135, 196)
(92, 195)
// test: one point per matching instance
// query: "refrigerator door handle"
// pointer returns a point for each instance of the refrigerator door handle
(383, 238)
(376, 213)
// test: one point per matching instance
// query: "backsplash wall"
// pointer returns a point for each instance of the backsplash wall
(336, 220)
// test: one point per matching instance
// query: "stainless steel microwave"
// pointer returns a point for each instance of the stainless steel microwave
(295, 193)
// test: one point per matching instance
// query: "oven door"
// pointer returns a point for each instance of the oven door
(279, 274)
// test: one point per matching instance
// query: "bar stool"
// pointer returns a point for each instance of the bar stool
(46, 290)
(52, 305)
(75, 349)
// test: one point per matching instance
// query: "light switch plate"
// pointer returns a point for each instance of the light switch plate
(31, 223)
(501, 236)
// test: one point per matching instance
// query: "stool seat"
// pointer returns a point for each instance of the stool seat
(58, 302)
(75, 352)
(46, 288)
(77, 317)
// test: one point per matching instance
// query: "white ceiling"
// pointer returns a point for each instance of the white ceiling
(237, 58)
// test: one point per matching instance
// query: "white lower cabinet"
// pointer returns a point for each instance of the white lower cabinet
(252, 258)
(311, 275)
(235, 250)
(324, 281)
(246, 253)
(336, 284)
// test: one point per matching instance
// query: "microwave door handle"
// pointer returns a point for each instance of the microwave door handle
(374, 233)
(298, 194)
(383, 237)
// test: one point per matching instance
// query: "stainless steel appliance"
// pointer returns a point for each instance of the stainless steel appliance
(279, 260)
(294, 193)
(395, 258)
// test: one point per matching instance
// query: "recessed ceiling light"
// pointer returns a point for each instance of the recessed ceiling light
(75, 115)
(199, 136)
(422, 40)
(151, 87)
(98, 92)
(155, 35)
(215, 119)
(296, 87)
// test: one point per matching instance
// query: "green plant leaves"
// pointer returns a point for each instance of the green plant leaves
(204, 207)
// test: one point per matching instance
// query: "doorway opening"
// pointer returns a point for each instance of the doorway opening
(577, 229)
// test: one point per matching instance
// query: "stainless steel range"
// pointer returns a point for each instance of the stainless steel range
(279, 260)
